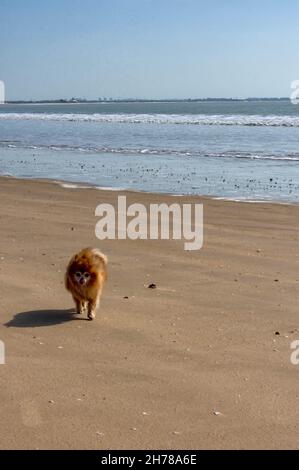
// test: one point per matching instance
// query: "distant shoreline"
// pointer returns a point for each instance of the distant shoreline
(131, 100)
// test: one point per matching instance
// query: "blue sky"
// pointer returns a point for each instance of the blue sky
(148, 48)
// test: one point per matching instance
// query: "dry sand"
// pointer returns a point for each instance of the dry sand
(151, 370)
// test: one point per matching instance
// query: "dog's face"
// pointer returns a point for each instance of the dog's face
(82, 275)
(82, 278)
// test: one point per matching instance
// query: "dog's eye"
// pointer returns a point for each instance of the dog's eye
(78, 274)
(86, 275)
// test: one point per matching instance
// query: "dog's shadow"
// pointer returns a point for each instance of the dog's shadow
(35, 318)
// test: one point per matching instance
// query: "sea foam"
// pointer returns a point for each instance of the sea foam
(185, 119)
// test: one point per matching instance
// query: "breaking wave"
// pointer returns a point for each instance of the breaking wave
(185, 119)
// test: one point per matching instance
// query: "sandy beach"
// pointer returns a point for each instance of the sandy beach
(195, 363)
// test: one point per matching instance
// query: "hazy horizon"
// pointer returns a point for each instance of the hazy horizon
(111, 99)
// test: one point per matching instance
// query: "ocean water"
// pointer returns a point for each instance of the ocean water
(234, 150)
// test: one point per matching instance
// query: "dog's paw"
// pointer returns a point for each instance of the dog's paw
(82, 308)
(91, 316)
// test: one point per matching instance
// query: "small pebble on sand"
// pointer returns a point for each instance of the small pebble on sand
(152, 286)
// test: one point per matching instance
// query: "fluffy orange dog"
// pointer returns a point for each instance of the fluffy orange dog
(85, 277)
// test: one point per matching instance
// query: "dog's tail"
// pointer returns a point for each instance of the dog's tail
(96, 252)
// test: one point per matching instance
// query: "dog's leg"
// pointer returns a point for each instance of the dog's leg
(77, 303)
(79, 306)
(82, 306)
(92, 307)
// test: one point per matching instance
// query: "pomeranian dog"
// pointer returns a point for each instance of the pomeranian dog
(84, 279)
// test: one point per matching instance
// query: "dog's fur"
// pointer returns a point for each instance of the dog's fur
(84, 279)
